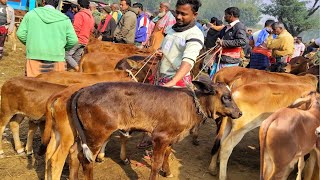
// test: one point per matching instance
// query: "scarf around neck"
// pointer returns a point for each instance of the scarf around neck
(177, 28)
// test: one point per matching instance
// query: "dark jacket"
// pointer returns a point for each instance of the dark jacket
(234, 37)
(107, 34)
(211, 38)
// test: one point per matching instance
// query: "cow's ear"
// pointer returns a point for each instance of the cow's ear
(204, 87)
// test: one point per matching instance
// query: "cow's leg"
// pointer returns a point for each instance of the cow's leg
(281, 173)
(101, 154)
(123, 151)
(310, 165)
(74, 162)
(165, 165)
(227, 147)
(4, 119)
(300, 167)
(224, 131)
(32, 129)
(268, 165)
(51, 148)
(15, 127)
(159, 148)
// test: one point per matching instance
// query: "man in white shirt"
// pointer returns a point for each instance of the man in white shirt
(299, 47)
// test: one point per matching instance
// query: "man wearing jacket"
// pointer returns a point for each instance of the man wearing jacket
(232, 38)
(142, 26)
(6, 23)
(47, 33)
(83, 25)
(126, 29)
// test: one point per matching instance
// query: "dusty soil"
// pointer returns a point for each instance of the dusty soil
(187, 162)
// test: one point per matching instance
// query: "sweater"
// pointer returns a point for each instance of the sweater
(47, 33)
(83, 25)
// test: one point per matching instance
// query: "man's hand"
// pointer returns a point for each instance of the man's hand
(9, 32)
(159, 53)
(169, 84)
(219, 42)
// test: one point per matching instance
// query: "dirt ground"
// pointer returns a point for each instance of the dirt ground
(188, 162)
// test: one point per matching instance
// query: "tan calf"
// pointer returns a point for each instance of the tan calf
(287, 136)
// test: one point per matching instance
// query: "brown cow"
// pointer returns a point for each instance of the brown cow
(287, 136)
(130, 106)
(257, 101)
(69, 78)
(24, 97)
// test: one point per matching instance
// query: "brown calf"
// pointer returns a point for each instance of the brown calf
(69, 78)
(24, 97)
(288, 135)
(131, 106)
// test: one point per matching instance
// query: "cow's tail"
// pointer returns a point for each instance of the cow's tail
(48, 127)
(262, 137)
(224, 127)
(74, 113)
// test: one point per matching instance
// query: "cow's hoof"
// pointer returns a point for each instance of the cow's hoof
(99, 160)
(2, 154)
(196, 142)
(29, 153)
(126, 161)
(213, 172)
(21, 151)
(165, 174)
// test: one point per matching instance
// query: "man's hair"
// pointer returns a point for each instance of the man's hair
(53, 3)
(195, 4)
(268, 22)
(300, 38)
(128, 2)
(84, 3)
(278, 25)
(138, 5)
(234, 11)
(216, 20)
(116, 6)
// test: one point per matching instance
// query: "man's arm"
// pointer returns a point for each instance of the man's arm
(274, 44)
(240, 40)
(128, 23)
(11, 18)
(184, 69)
(77, 23)
(22, 30)
(72, 38)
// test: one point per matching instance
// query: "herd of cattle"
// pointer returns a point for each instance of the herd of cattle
(78, 111)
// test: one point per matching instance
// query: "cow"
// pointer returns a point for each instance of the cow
(130, 106)
(257, 101)
(69, 78)
(24, 97)
(283, 138)
(110, 47)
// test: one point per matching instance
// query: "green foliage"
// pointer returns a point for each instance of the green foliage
(293, 13)
(250, 13)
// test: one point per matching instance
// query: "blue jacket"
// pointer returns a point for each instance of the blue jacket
(142, 28)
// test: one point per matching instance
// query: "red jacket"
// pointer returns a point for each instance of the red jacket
(83, 25)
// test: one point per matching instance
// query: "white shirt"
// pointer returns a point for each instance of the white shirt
(298, 48)
(232, 24)
(317, 42)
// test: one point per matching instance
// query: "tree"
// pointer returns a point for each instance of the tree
(294, 14)
(249, 13)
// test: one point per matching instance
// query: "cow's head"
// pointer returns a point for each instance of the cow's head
(278, 67)
(218, 100)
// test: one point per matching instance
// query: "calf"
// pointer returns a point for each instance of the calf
(68, 78)
(257, 101)
(24, 97)
(288, 135)
(101, 109)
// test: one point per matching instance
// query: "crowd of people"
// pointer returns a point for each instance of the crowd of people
(54, 39)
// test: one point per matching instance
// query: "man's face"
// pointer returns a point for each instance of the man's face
(185, 15)
(162, 8)
(123, 5)
(227, 18)
(113, 8)
(277, 30)
(139, 10)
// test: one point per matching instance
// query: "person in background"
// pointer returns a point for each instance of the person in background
(95, 13)
(232, 39)
(107, 25)
(261, 56)
(7, 19)
(83, 25)
(72, 11)
(142, 26)
(283, 46)
(126, 28)
(150, 30)
(299, 47)
(164, 21)
(47, 33)
(116, 13)
(247, 48)
(212, 34)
